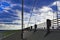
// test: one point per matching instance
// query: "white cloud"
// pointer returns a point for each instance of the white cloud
(7, 8)
(45, 9)
(45, 13)
(20, 5)
(32, 20)
(39, 15)
(56, 3)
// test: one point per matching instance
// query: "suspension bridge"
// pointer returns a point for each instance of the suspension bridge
(28, 32)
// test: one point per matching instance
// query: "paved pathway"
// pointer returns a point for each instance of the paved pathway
(39, 35)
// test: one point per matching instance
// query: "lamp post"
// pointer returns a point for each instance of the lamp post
(22, 20)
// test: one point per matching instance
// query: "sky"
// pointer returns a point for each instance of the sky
(35, 12)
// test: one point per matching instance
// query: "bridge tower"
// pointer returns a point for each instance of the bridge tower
(56, 21)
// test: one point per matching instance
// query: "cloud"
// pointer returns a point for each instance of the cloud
(9, 27)
(34, 18)
(38, 16)
(45, 9)
(45, 13)
(41, 14)
(20, 5)
(56, 3)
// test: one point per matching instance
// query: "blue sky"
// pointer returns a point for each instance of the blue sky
(10, 11)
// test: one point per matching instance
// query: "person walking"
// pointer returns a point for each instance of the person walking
(35, 27)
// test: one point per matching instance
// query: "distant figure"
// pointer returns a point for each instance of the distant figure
(31, 28)
(52, 27)
(48, 25)
(44, 27)
(35, 27)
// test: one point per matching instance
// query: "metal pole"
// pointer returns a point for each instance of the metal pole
(57, 13)
(22, 20)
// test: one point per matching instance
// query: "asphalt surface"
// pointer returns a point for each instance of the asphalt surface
(17, 36)
(38, 35)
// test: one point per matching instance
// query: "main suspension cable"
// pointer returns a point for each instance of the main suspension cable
(31, 12)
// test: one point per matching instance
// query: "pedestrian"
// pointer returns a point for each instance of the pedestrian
(48, 25)
(31, 28)
(35, 27)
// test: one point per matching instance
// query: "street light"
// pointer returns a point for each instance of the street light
(22, 20)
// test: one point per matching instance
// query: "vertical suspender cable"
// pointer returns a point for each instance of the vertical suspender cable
(22, 20)
(35, 19)
(53, 19)
(31, 12)
(57, 13)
